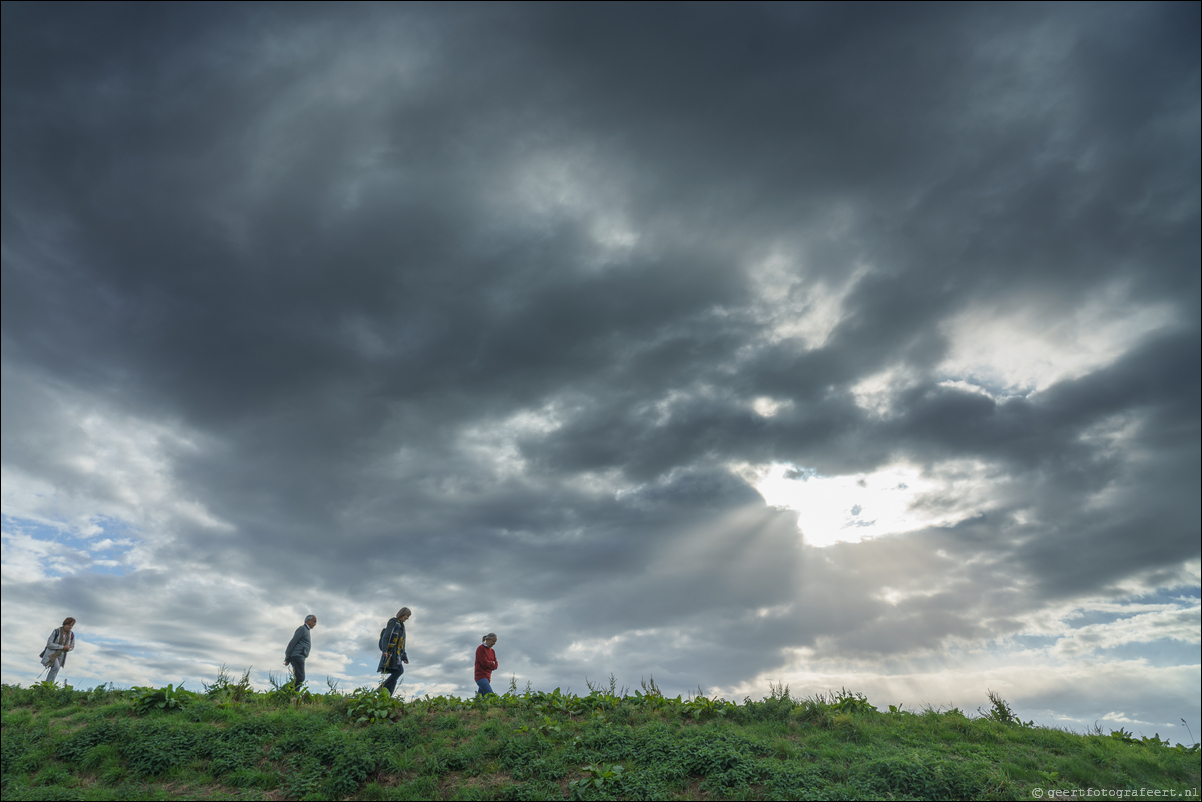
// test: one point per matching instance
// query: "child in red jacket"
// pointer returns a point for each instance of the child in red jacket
(486, 663)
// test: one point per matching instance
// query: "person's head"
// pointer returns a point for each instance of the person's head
(68, 622)
(490, 639)
(403, 614)
(311, 621)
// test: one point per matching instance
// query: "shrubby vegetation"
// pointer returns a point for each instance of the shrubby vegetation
(228, 741)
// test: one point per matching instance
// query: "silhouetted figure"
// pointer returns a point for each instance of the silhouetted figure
(298, 650)
(486, 663)
(392, 648)
(61, 641)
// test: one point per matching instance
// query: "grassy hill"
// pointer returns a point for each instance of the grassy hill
(234, 743)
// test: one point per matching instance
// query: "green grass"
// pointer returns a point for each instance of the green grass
(234, 743)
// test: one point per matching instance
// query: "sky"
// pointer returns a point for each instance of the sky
(837, 346)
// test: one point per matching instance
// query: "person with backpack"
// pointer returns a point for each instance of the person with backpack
(486, 663)
(298, 650)
(61, 641)
(392, 646)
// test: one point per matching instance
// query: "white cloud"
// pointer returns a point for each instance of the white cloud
(769, 407)
(24, 558)
(1026, 344)
(1177, 624)
(877, 392)
(111, 465)
(492, 445)
(794, 305)
(1122, 718)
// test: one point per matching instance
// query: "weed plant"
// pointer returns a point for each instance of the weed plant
(232, 742)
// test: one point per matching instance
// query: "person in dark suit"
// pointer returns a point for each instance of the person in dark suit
(298, 649)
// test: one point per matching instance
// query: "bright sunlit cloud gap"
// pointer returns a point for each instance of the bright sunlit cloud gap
(852, 507)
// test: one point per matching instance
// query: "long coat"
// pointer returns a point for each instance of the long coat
(393, 657)
(56, 647)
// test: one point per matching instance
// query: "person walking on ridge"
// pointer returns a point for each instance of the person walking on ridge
(298, 650)
(486, 663)
(392, 646)
(61, 641)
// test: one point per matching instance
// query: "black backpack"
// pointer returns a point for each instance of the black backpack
(384, 637)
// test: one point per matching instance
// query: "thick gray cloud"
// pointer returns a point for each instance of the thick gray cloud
(498, 311)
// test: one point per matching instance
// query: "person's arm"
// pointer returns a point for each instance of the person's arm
(52, 645)
(492, 664)
(296, 636)
(483, 662)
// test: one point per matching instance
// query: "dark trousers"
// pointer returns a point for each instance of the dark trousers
(298, 670)
(390, 683)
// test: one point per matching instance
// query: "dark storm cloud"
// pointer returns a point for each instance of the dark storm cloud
(344, 251)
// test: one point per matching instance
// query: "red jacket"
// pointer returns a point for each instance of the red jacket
(486, 662)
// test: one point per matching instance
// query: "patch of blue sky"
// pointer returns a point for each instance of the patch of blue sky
(101, 545)
(44, 529)
(33, 527)
(1169, 595)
